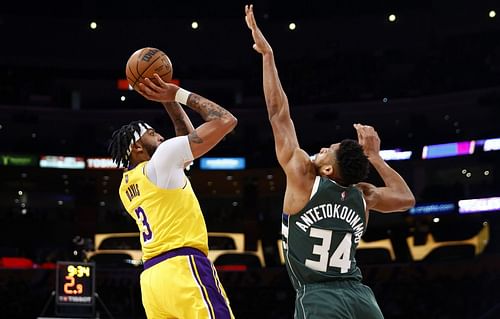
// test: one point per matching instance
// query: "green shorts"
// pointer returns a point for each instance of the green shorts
(334, 300)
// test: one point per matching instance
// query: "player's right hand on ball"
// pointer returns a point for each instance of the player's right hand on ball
(160, 91)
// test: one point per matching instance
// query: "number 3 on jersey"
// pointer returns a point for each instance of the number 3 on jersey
(341, 257)
(146, 232)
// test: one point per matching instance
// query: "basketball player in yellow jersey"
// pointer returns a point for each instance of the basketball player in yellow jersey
(178, 280)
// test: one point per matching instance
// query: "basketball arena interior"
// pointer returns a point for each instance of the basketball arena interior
(425, 74)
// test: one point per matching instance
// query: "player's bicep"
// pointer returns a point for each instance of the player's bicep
(207, 135)
(382, 199)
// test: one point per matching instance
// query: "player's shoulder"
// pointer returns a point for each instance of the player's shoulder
(300, 162)
(174, 141)
(172, 147)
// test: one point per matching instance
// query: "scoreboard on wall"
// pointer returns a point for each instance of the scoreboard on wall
(75, 288)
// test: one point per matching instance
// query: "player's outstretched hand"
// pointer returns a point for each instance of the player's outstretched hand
(261, 45)
(369, 139)
(160, 91)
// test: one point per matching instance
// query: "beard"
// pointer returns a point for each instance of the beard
(150, 149)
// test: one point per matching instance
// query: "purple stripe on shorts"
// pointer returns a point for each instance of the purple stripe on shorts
(184, 251)
(205, 297)
(217, 300)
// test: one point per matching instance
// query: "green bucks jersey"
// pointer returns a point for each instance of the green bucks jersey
(320, 241)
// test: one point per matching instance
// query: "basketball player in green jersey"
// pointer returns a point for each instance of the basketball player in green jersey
(326, 206)
(178, 281)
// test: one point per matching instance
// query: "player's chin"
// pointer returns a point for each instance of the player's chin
(153, 149)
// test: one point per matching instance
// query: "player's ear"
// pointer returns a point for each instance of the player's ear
(137, 147)
(326, 170)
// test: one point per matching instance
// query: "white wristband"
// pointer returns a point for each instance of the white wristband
(182, 95)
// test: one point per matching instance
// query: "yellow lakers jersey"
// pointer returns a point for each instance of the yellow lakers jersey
(167, 218)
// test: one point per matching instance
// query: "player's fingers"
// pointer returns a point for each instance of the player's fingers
(251, 17)
(142, 89)
(248, 18)
(365, 132)
(160, 80)
(151, 85)
(370, 132)
(146, 91)
(358, 131)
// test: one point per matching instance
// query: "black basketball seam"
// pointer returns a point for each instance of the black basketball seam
(137, 67)
(150, 64)
(164, 74)
(129, 65)
(134, 78)
(169, 71)
(130, 80)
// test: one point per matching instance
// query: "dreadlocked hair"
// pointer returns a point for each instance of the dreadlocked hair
(120, 142)
(352, 161)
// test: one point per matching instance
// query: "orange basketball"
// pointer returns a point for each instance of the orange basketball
(144, 62)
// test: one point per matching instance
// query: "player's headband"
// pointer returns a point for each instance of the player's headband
(144, 127)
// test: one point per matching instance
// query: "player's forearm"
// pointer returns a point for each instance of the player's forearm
(181, 121)
(210, 111)
(276, 100)
(393, 180)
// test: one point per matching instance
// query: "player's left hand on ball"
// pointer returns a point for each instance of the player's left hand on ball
(160, 91)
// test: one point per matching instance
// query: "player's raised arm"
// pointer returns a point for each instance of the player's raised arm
(395, 195)
(218, 121)
(181, 121)
(285, 137)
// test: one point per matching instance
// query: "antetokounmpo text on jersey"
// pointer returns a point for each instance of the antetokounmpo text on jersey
(320, 212)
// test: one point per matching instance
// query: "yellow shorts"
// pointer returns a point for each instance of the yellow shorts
(185, 287)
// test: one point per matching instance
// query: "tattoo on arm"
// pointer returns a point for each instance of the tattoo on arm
(207, 109)
(193, 137)
(178, 117)
(180, 127)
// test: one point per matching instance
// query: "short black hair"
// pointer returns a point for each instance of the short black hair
(352, 162)
(120, 142)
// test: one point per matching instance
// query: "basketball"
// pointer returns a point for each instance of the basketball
(144, 62)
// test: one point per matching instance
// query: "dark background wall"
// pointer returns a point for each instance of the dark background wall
(430, 77)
